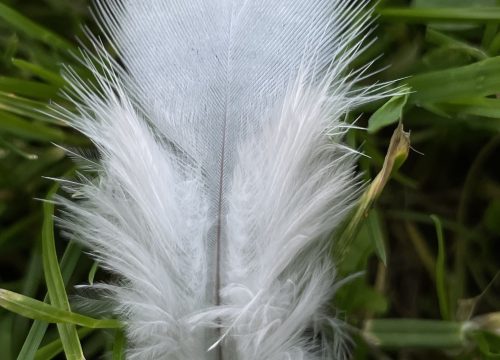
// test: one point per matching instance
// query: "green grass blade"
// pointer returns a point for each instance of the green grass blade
(33, 340)
(28, 88)
(33, 130)
(21, 23)
(438, 38)
(38, 329)
(489, 344)
(490, 32)
(31, 281)
(10, 47)
(53, 349)
(387, 114)
(38, 310)
(54, 280)
(474, 106)
(6, 144)
(31, 109)
(6, 321)
(47, 75)
(479, 79)
(411, 333)
(441, 271)
(494, 47)
(432, 15)
(18, 126)
(92, 272)
(119, 345)
(375, 228)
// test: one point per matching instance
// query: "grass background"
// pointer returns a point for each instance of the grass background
(415, 266)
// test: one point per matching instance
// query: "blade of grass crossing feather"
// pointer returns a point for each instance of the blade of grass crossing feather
(21, 23)
(38, 310)
(37, 332)
(47, 75)
(411, 333)
(119, 345)
(54, 280)
(54, 348)
(441, 271)
(479, 79)
(479, 15)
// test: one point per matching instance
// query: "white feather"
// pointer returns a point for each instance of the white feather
(222, 173)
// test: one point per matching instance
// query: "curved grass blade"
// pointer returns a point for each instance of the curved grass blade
(38, 310)
(38, 329)
(54, 280)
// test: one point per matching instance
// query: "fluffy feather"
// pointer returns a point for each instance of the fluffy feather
(222, 173)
